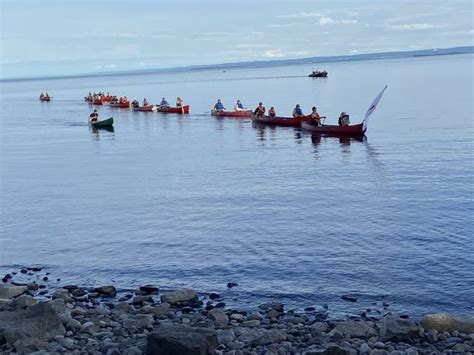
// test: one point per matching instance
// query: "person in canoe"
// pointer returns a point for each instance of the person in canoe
(179, 102)
(315, 119)
(125, 100)
(145, 102)
(94, 116)
(298, 112)
(135, 103)
(114, 100)
(260, 110)
(41, 96)
(239, 106)
(164, 103)
(219, 106)
(344, 119)
(272, 112)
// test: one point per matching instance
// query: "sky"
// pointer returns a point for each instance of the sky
(48, 38)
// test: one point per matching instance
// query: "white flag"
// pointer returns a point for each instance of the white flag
(373, 107)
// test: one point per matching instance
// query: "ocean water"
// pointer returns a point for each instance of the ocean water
(195, 201)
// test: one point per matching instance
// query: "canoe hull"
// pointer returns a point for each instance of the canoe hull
(235, 114)
(150, 108)
(120, 105)
(178, 110)
(355, 130)
(103, 124)
(281, 121)
(45, 99)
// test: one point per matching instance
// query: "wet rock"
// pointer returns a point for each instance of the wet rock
(106, 291)
(5, 303)
(70, 287)
(349, 297)
(40, 321)
(181, 339)
(232, 284)
(269, 306)
(89, 327)
(445, 322)
(34, 268)
(225, 336)
(45, 278)
(78, 292)
(352, 329)
(398, 329)
(33, 286)
(219, 317)
(29, 345)
(214, 296)
(142, 299)
(11, 291)
(260, 336)
(334, 349)
(24, 301)
(180, 298)
(23, 271)
(149, 289)
(251, 323)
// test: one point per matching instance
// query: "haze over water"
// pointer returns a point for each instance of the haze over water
(198, 202)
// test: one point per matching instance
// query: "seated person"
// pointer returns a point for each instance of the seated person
(298, 112)
(272, 112)
(46, 95)
(125, 100)
(164, 103)
(145, 102)
(239, 106)
(344, 119)
(260, 110)
(41, 95)
(135, 103)
(315, 120)
(94, 116)
(179, 102)
(219, 106)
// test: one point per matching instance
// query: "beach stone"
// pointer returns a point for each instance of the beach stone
(214, 296)
(251, 323)
(89, 327)
(275, 306)
(232, 284)
(399, 329)
(33, 286)
(24, 301)
(180, 298)
(349, 297)
(73, 324)
(237, 317)
(334, 349)
(260, 336)
(225, 336)
(142, 299)
(445, 322)
(39, 321)
(219, 317)
(11, 291)
(181, 339)
(29, 345)
(352, 329)
(364, 349)
(149, 289)
(62, 294)
(106, 291)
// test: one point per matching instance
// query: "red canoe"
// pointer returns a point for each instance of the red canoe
(46, 98)
(149, 108)
(357, 129)
(180, 110)
(242, 114)
(98, 102)
(281, 121)
(121, 105)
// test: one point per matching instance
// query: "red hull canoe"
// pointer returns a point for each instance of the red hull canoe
(45, 99)
(179, 110)
(149, 108)
(238, 114)
(96, 102)
(120, 105)
(357, 129)
(282, 121)
(107, 99)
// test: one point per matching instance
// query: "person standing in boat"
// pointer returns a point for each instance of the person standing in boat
(164, 103)
(315, 119)
(239, 106)
(94, 116)
(298, 112)
(179, 102)
(272, 112)
(260, 110)
(219, 106)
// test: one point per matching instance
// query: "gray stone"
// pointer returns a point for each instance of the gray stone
(445, 322)
(170, 339)
(73, 324)
(352, 329)
(181, 297)
(106, 291)
(29, 345)
(334, 349)
(269, 306)
(24, 301)
(10, 291)
(39, 321)
(5, 303)
(251, 323)
(364, 349)
(89, 327)
(219, 317)
(399, 329)
(432, 336)
(132, 350)
(260, 336)
(225, 336)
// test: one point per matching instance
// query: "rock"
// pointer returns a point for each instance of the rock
(352, 329)
(70, 287)
(78, 292)
(432, 336)
(40, 321)
(181, 339)
(349, 297)
(106, 291)
(29, 345)
(398, 329)
(89, 327)
(219, 317)
(33, 286)
(142, 299)
(334, 349)
(62, 294)
(5, 303)
(225, 336)
(132, 350)
(11, 291)
(149, 289)
(445, 322)
(24, 301)
(271, 336)
(364, 349)
(232, 284)
(214, 296)
(180, 298)
(251, 323)
(73, 324)
(220, 305)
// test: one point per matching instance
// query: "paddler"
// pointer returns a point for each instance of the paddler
(164, 103)
(239, 106)
(219, 106)
(260, 110)
(272, 112)
(315, 119)
(135, 103)
(94, 116)
(179, 102)
(145, 102)
(344, 119)
(298, 112)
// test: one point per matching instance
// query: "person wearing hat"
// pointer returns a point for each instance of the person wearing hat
(315, 119)
(219, 106)
(260, 110)
(94, 116)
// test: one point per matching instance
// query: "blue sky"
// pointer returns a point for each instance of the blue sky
(71, 37)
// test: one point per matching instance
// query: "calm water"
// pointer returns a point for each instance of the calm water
(196, 201)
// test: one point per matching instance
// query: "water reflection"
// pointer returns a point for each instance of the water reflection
(95, 132)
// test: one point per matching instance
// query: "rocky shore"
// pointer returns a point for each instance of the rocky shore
(77, 320)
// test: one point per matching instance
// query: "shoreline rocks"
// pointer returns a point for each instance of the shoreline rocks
(79, 320)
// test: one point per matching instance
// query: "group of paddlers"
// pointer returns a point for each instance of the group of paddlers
(44, 96)
(163, 104)
(101, 97)
(315, 118)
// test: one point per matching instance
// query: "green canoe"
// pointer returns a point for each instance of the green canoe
(105, 123)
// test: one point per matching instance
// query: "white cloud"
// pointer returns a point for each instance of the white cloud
(273, 53)
(326, 20)
(301, 15)
(411, 27)
(283, 25)
(253, 46)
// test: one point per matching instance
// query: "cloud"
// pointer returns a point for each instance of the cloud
(302, 15)
(411, 27)
(326, 20)
(273, 53)
(120, 35)
(283, 25)
(244, 45)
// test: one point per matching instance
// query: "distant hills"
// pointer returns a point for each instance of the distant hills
(279, 62)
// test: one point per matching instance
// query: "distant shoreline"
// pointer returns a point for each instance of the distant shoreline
(264, 64)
